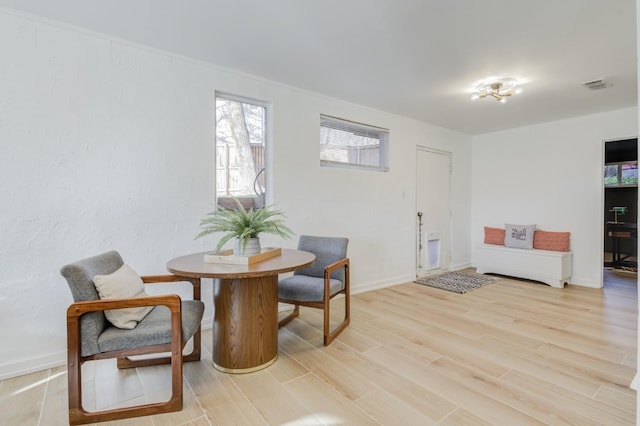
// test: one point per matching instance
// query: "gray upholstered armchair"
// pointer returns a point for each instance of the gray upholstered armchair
(317, 284)
(169, 324)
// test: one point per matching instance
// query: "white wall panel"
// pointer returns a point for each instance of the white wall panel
(109, 145)
(549, 175)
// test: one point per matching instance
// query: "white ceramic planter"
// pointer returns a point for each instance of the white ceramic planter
(253, 247)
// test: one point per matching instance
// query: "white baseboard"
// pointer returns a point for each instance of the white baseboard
(402, 279)
(460, 266)
(31, 365)
(584, 282)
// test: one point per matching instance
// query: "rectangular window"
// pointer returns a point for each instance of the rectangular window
(621, 174)
(347, 144)
(240, 152)
(611, 174)
(629, 174)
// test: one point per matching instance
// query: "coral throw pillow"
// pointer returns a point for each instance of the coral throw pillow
(554, 241)
(494, 236)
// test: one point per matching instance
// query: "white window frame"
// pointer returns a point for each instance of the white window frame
(358, 129)
(268, 136)
(619, 183)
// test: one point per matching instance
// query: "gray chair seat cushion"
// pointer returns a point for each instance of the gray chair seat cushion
(306, 289)
(154, 329)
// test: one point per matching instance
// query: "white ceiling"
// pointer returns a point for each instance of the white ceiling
(410, 57)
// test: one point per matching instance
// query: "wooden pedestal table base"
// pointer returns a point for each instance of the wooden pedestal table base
(245, 324)
(245, 327)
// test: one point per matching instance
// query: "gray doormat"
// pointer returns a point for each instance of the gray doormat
(458, 282)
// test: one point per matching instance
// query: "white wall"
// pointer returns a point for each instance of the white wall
(108, 145)
(549, 175)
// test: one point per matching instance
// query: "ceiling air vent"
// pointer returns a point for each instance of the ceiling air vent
(596, 84)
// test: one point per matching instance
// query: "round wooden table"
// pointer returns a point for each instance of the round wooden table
(245, 324)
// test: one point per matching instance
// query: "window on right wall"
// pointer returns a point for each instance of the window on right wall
(345, 143)
(621, 174)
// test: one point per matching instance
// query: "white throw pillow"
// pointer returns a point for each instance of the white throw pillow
(124, 283)
(519, 236)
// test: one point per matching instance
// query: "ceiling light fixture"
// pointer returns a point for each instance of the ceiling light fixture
(498, 88)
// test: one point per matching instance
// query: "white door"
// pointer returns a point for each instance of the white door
(433, 211)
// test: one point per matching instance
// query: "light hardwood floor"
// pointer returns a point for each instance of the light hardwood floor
(511, 353)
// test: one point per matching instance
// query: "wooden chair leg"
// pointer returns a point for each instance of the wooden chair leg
(197, 337)
(329, 335)
(74, 370)
(286, 320)
(197, 345)
(74, 383)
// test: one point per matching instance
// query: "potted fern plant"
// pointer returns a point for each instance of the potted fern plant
(245, 226)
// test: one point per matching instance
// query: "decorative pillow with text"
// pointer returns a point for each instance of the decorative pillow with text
(519, 236)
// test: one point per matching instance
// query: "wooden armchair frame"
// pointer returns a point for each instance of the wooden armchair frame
(325, 304)
(77, 414)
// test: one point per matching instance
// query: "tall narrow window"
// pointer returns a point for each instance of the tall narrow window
(240, 152)
(348, 144)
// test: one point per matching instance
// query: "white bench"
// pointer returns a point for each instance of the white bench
(549, 267)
